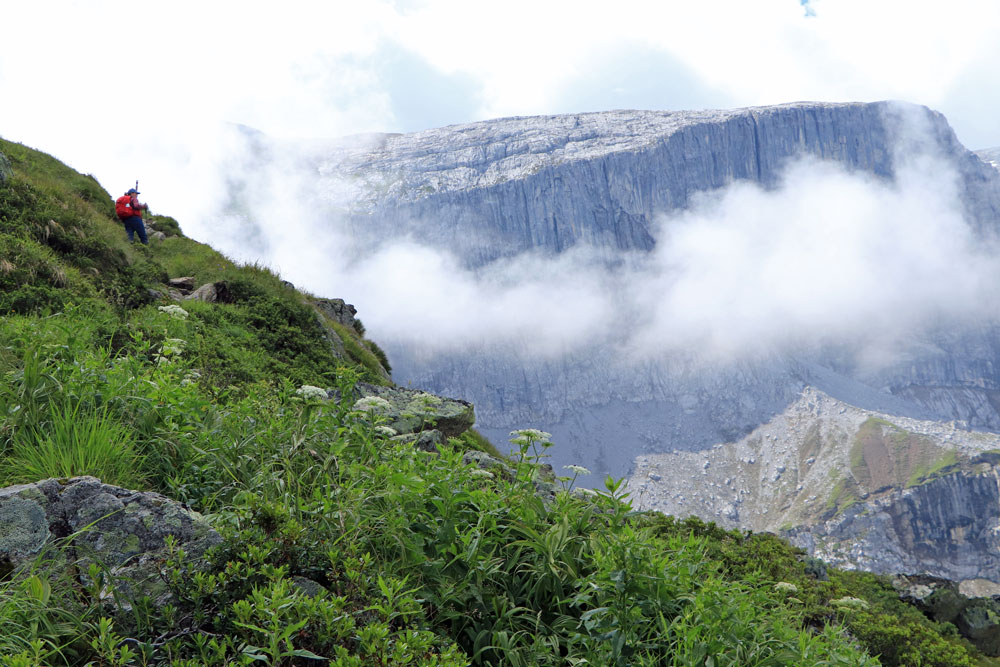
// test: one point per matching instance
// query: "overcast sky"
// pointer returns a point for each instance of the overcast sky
(77, 78)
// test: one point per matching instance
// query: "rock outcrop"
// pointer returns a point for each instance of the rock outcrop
(408, 411)
(498, 188)
(337, 310)
(123, 531)
(5, 169)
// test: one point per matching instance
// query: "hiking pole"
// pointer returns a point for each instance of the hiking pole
(137, 192)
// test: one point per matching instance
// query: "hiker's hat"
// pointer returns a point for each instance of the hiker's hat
(133, 191)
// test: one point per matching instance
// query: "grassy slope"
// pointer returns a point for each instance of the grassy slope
(423, 560)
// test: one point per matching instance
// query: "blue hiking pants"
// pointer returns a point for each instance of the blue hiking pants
(133, 225)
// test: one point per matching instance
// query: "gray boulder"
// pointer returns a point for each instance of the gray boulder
(412, 411)
(184, 284)
(5, 169)
(211, 293)
(337, 310)
(122, 531)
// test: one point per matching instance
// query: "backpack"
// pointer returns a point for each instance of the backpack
(123, 207)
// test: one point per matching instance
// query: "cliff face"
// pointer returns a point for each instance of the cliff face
(946, 528)
(546, 184)
(498, 188)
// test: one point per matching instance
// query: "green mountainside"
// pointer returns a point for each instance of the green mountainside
(340, 543)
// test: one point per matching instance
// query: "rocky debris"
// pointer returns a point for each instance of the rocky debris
(121, 530)
(5, 169)
(979, 588)
(412, 411)
(337, 310)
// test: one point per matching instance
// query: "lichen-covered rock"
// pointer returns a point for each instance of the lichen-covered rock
(123, 531)
(5, 169)
(412, 411)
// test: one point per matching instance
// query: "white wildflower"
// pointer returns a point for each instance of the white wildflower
(190, 378)
(172, 346)
(174, 311)
(786, 587)
(479, 472)
(387, 431)
(526, 435)
(309, 392)
(373, 404)
(577, 470)
(426, 399)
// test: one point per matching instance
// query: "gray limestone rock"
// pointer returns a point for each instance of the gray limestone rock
(184, 284)
(412, 411)
(211, 292)
(990, 156)
(337, 310)
(496, 188)
(123, 531)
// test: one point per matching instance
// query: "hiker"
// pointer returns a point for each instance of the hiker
(129, 211)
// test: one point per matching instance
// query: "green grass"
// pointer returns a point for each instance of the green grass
(71, 442)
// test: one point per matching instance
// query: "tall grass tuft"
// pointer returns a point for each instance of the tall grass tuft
(74, 441)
